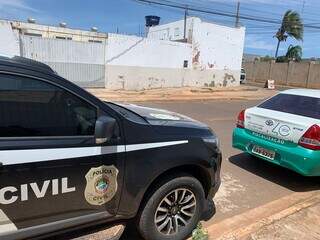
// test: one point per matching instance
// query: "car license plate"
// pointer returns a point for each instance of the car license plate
(264, 152)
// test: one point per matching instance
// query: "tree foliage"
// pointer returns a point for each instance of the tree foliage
(291, 26)
(294, 53)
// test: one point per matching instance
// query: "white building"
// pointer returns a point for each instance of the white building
(210, 56)
(215, 47)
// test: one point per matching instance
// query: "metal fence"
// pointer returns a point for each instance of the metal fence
(80, 62)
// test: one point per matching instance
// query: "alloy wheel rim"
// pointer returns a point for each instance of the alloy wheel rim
(175, 211)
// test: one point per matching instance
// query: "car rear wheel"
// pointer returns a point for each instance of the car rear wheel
(173, 210)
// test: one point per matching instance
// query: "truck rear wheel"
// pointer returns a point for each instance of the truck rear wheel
(173, 210)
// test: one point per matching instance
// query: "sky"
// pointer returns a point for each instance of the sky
(127, 16)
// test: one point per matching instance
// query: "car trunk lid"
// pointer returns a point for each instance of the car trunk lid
(279, 125)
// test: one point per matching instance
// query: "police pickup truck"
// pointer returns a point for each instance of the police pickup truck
(69, 161)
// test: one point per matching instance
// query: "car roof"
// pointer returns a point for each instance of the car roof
(26, 63)
(303, 92)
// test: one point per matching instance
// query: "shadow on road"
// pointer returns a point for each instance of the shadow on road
(276, 174)
(130, 233)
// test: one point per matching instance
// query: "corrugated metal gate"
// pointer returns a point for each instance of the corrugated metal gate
(80, 62)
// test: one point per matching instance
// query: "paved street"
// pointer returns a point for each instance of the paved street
(248, 183)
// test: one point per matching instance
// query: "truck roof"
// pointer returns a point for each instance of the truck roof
(303, 92)
(22, 62)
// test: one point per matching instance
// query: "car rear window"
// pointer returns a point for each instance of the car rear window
(295, 104)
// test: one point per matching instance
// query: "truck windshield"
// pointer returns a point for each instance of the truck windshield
(294, 104)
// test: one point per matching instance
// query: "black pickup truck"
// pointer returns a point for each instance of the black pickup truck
(69, 161)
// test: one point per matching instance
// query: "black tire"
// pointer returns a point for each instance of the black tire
(146, 219)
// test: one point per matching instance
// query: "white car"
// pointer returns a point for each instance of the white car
(243, 76)
(284, 130)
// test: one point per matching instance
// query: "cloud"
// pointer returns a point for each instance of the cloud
(255, 42)
(15, 5)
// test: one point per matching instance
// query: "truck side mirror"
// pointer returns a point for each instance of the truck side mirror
(104, 129)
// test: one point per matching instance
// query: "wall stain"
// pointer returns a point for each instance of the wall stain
(156, 82)
(228, 77)
(211, 84)
(122, 81)
(210, 65)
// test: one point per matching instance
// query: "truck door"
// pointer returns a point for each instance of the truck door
(51, 168)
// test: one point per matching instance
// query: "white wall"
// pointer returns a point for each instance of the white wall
(172, 31)
(9, 41)
(136, 63)
(219, 47)
(125, 50)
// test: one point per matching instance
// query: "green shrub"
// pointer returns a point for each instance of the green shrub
(200, 233)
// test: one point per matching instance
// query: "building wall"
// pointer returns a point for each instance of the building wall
(80, 62)
(144, 52)
(211, 59)
(173, 31)
(214, 47)
(9, 41)
(45, 31)
(136, 63)
(218, 47)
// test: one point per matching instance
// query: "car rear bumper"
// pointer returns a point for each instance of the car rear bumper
(304, 161)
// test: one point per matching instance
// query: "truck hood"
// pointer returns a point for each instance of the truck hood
(157, 116)
(155, 113)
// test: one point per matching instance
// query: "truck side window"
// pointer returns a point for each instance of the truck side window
(34, 108)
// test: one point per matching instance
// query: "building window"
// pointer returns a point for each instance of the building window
(94, 41)
(185, 64)
(33, 34)
(63, 38)
(177, 32)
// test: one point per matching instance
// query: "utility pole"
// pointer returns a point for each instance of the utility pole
(238, 15)
(185, 23)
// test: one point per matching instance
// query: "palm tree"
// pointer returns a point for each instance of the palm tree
(291, 26)
(294, 53)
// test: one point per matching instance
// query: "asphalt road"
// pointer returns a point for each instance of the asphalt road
(247, 182)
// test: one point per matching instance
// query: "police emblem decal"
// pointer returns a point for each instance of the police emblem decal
(101, 184)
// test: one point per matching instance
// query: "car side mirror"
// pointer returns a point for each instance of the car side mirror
(104, 129)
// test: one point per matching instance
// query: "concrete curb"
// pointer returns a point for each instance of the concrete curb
(241, 226)
(112, 233)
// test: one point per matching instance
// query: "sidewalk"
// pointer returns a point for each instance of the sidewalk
(184, 94)
(294, 217)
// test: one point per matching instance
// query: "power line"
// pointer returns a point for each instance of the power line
(171, 4)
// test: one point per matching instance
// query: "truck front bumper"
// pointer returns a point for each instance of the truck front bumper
(209, 206)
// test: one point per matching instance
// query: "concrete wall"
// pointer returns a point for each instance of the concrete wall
(173, 31)
(125, 50)
(217, 46)
(135, 63)
(305, 74)
(9, 41)
(214, 47)
(139, 78)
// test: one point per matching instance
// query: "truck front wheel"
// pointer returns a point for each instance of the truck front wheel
(173, 209)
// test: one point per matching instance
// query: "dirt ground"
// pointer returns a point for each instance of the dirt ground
(184, 94)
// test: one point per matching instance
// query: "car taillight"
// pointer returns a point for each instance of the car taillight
(240, 120)
(311, 139)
